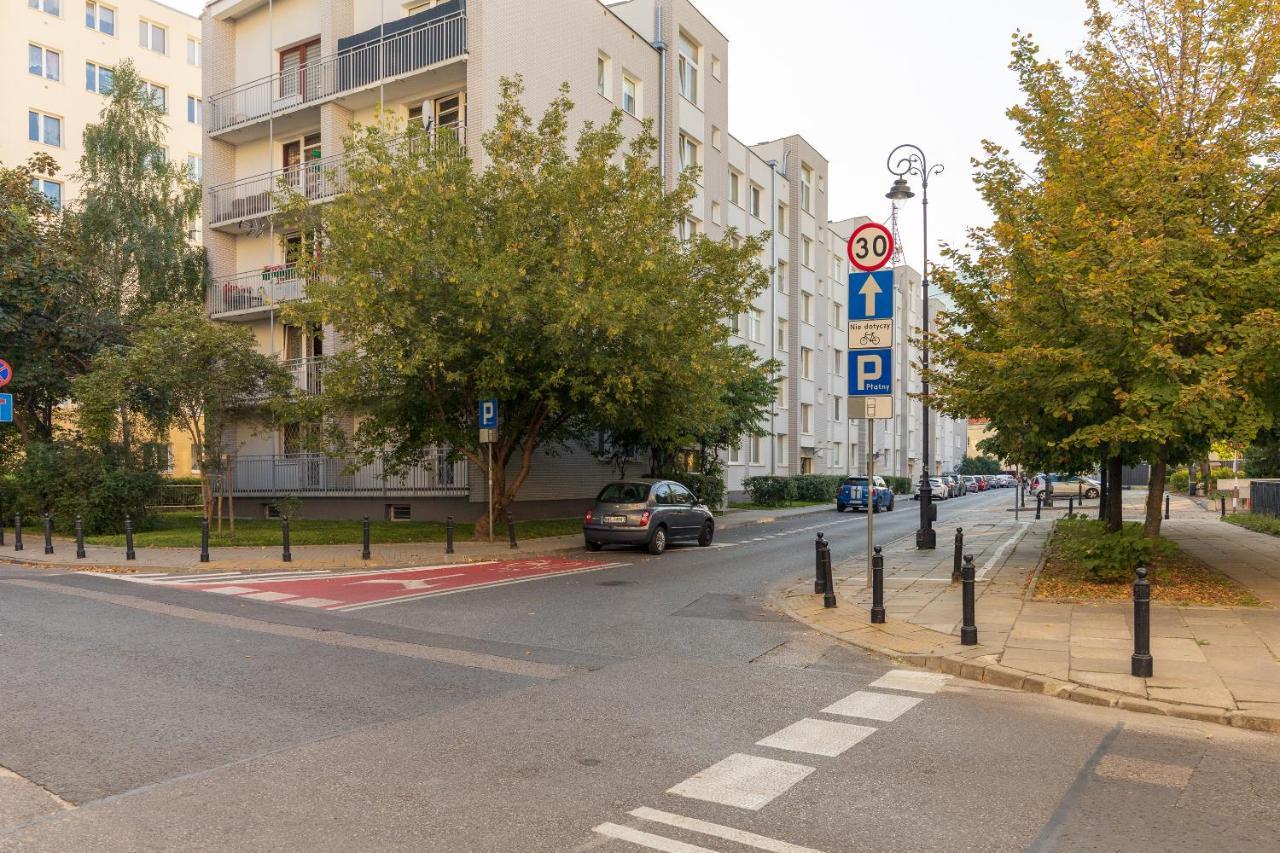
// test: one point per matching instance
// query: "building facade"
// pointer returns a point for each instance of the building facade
(286, 79)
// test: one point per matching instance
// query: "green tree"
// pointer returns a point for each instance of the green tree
(1107, 304)
(979, 465)
(550, 278)
(182, 369)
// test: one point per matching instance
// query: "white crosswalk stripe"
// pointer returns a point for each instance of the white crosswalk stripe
(744, 781)
(728, 833)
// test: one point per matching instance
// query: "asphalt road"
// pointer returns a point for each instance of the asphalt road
(559, 714)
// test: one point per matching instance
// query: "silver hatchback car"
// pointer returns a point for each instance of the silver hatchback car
(651, 513)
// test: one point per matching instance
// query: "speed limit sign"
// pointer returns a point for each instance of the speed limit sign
(870, 247)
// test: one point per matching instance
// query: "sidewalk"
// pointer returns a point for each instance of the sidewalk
(320, 557)
(1217, 664)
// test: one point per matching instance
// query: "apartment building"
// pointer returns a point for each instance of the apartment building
(286, 79)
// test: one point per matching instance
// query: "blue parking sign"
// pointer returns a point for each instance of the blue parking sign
(6, 408)
(488, 414)
(871, 373)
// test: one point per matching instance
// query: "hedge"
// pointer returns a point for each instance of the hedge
(775, 490)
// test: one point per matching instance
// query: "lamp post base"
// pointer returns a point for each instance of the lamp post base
(927, 539)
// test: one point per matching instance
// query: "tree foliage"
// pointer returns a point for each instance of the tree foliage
(1113, 310)
(551, 278)
(978, 465)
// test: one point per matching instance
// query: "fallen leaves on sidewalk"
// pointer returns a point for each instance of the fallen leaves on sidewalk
(1176, 578)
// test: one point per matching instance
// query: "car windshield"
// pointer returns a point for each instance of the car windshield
(624, 493)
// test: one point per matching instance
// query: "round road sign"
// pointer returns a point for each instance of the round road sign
(870, 246)
(6, 373)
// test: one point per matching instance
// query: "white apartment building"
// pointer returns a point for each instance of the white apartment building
(70, 48)
(285, 79)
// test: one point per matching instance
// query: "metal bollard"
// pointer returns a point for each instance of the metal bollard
(1222, 501)
(1, 522)
(1038, 500)
(968, 626)
(1142, 664)
(877, 588)
(287, 556)
(17, 531)
(79, 538)
(817, 565)
(1071, 506)
(1166, 507)
(955, 559)
(129, 553)
(364, 539)
(511, 529)
(204, 540)
(48, 534)
(448, 535)
(828, 582)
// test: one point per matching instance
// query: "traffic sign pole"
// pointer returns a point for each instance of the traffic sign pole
(871, 489)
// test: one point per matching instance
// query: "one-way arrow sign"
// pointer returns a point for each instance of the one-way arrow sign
(871, 295)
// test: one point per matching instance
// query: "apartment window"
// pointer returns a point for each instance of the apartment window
(717, 140)
(100, 18)
(194, 52)
(756, 450)
(735, 455)
(44, 128)
(193, 109)
(837, 362)
(715, 213)
(689, 228)
(757, 325)
(294, 80)
(43, 62)
(806, 307)
(806, 363)
(837, 454)
(755, 201)
(716, 67)
(688, 152)
(451, 110)
(602, 75)
(835, 408)
(806, 252)
(98, 78)
(783, 277)
(782, 335)
(52, 7)
(780, 447)
(837, 312)
(735, 324)
(735, 188)
(195, 459)
(782, 219)
(157, 95)
(152, 36)
(806, 418)
(806, 189)
(782, 392)
(52, 190)
(687, 67)
(195, 167)
(630, 95)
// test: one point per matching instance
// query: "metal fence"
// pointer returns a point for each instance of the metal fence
(261, 288)
(405, 52)
(1264, 497)
(317, 475)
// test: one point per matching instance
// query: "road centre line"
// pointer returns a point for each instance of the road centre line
(728, 833)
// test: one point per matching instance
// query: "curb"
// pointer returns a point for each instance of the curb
(967, 665)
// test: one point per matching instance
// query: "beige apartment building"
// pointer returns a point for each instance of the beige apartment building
(286, 79)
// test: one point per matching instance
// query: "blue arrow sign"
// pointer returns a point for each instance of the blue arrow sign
(871, 295)
(871, 373)
(488, 414)
(6, 408)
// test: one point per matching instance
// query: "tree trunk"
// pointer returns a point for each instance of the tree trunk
(1155, 494)
(1206, 478)
(1115, 503)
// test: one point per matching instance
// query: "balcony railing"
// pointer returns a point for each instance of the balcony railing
(419, 47)
(308, 373)
(318, 180)
(264, 288)
(317, 475)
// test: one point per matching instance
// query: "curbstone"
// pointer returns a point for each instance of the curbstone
(973, 671)
(1003, 676)
(1200, 713)
(953, 666)
(1256, 720)
(1090, 696)
(1144, 706)
(1046, 685)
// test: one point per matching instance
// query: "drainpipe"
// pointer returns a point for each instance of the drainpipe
(773, 310)
(661, 46)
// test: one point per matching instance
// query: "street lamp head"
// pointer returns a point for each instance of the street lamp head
(901, 190)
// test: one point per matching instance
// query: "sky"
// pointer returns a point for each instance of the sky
(858, 77)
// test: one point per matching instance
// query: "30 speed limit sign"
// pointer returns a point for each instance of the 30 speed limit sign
(870, 247)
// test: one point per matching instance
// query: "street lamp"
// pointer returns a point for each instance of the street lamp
(913, 162)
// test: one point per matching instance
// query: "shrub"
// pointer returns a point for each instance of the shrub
(814, 487)
(767, 490)
(1107, 557)
(100, 486)
(708, 487)
(900, 485)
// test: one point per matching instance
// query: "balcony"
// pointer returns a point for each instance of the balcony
(365, 60)
(308, 373)
(317, 475)
(247, 294)
(319, 180)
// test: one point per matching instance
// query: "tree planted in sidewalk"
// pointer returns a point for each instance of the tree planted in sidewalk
(1106, 311)
(549, 276)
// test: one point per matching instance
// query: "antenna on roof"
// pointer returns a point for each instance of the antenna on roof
(898, 257)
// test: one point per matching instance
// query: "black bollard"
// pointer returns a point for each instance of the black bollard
(204, 540)
(968, 626)
(287, 556)
(48, 534)
(511, 529)
(1037, 507)
(448, 535)
(1071, 506)
(1222, 502)
(828, 582)
(1166, 507)
(1, 522)
(364, 539)
(877, 588)
(955, 559)
(817, 565)
(79, 538)
(129, 553)
(1142, 663)
(17, 531)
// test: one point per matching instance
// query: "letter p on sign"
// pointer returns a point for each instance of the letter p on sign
(869, 369)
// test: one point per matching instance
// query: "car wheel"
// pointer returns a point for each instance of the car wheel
(707, 534)
(1090, 493)
(875, 506)
(658, 541)
(593, 546)
(841, 507)
(890, 504)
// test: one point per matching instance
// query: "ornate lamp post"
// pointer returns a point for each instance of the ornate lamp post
(908, 159)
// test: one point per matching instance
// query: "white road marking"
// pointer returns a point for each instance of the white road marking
(648, 839)
(872, 706)
(818, 737)
(986, 567)
(728, 833)
(913, 680)
(743, 781)
(232, 590)
(412, 583)
(269, 596)
(314, 602)
(474, 587)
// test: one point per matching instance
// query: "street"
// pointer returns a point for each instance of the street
(651, 703)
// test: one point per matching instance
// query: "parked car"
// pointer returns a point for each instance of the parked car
(981, 481)
(652, 513)
(1042, 485)
(954, 488)
(971, 483)
(853, 494)
(937, 486)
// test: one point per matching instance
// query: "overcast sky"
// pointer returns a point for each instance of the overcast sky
(857, 77)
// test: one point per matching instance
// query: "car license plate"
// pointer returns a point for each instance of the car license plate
(615, 519)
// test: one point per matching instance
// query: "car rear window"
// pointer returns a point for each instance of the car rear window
(856, 481)
(624, 493)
